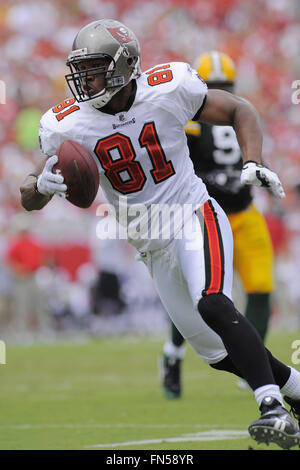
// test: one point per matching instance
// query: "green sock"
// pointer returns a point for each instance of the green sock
(176, 337)
(258, 312)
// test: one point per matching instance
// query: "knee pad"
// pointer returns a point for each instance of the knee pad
(218, 312)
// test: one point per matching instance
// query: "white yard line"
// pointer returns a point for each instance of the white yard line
(207, 435)
(213, 435)
(110, 426)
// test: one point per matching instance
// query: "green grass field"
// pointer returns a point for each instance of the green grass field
(105, 394)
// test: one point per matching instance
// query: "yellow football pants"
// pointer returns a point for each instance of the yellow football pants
(253, 251)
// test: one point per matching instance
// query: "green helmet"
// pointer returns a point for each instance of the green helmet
(103, 39)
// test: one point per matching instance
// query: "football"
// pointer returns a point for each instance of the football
(80, 173)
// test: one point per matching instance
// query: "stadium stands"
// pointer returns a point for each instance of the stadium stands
(262, 37)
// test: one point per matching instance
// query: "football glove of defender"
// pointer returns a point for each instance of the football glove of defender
(259, 175)
(49, 183)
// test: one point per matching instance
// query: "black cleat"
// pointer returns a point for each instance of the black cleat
(295, 407)
(275, 425)
(171, 378)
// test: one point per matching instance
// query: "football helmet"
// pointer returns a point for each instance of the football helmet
(103, 39)
(217, 69)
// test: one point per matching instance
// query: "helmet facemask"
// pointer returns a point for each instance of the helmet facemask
(78, 80)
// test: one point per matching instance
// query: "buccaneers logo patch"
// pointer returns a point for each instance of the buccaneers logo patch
(121, 34)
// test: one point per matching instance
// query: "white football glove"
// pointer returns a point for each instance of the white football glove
(259, 175)
(49, 183)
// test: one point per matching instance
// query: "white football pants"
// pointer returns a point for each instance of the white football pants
(197, 262)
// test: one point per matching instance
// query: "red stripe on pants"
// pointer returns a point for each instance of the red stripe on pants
(214, 250)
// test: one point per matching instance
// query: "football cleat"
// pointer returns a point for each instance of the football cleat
(295, 407)
(171, 376)
(275, 425)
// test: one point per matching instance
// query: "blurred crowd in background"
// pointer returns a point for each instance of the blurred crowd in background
(54, 271)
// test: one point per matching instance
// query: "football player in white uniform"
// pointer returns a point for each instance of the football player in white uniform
(132, 123)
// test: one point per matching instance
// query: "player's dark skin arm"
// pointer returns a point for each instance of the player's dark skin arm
(31, 199)
(225, 109)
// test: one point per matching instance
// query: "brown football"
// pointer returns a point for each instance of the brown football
(80, 173)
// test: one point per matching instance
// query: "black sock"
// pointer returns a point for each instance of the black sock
(280, 371)
(241, 340)
(176, 337)
(258, 312)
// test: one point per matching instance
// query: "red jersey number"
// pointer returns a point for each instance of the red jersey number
(117, 156)
(59, 108)
(160, 74)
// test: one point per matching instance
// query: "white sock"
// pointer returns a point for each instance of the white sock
(270, 390)
(176, 352)
(292, 386)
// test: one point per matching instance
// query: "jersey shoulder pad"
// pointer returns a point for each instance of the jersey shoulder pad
(62, 116)
(172, 75)
(175, 87)
(57, 124)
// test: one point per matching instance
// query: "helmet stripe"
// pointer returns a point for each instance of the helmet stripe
(217, 72)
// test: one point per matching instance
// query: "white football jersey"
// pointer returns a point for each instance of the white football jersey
(142, 154)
